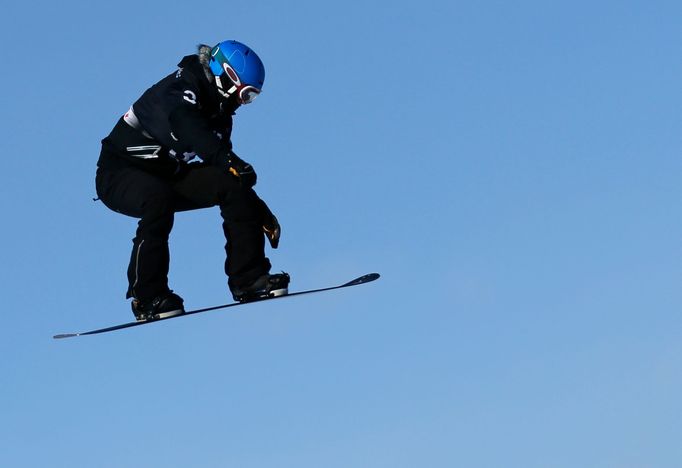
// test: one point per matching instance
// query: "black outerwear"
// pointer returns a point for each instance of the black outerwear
(143, 172)
(185, 115)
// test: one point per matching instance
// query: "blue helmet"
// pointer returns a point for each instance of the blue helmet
(238, 71)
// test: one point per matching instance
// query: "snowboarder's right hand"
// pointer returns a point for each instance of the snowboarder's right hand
(242, 170)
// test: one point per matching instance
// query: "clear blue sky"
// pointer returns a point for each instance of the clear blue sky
(512, 169)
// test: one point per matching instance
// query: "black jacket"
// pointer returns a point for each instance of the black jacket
(180, 117)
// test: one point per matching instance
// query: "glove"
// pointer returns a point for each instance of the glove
(272, 231)
(271, 226)
(242, 170)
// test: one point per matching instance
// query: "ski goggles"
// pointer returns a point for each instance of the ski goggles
(245, 93)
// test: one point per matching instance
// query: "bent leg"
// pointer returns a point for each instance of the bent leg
(241, 210)
(141, 195)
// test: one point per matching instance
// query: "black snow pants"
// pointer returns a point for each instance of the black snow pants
(154, 199)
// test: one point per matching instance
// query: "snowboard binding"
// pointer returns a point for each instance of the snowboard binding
(265, 287)
(160, 307)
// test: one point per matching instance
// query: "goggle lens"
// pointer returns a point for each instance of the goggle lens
(247, 94)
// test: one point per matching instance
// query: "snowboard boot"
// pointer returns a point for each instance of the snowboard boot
(165, 306)
(264, 287)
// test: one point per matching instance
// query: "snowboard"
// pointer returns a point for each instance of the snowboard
(357, 281)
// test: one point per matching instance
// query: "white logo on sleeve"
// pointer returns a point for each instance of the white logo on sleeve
(189, 96)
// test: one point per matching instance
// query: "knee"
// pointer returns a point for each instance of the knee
(158, 204)
(157, 216)
(158, 212)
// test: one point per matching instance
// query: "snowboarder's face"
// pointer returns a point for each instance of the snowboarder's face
(229, 105)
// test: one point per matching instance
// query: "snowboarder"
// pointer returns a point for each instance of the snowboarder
(147, 169)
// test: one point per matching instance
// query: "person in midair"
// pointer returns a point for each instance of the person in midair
(172, 152)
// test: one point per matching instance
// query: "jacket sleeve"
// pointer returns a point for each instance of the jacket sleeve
(192, 130)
